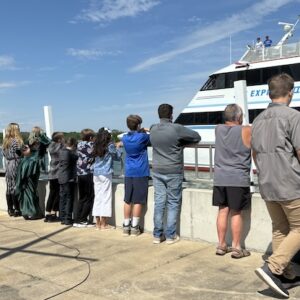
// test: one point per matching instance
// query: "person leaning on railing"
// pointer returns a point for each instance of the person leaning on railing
(168, 141)
(231, 191)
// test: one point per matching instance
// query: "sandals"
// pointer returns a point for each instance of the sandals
(222, 250)
(239, 253)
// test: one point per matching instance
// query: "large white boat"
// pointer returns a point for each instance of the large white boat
(256, 66)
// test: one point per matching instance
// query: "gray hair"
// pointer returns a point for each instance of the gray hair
(233, 113)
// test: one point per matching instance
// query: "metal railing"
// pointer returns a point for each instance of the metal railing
(271, 53)
(193, 167)
(207, 163)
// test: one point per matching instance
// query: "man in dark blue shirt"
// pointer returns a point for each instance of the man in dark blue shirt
(136, 174)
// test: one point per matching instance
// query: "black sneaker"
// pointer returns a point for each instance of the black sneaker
(11, 212)
(53, 218)
(272, 280)
(135, 231)
(68, 222)
(126, 230)
(290, 283)
(47, 218)
(17, 213)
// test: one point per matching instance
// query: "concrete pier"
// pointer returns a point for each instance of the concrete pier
(37, 259)
(197, 219)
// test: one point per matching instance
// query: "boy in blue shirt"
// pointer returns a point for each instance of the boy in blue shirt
(135, 143)
(267, 42)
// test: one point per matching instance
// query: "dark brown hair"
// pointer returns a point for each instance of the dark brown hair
(87, 134)
(57, 136)
(280, 85)
(71, 142)
(133, 121)
(165, 111)
(103, 138)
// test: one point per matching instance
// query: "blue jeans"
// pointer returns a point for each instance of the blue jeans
(167, 195)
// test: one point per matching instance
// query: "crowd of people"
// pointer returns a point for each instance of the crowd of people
(273, 139)
(88, 165)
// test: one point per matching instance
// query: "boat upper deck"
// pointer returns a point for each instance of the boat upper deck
(272, 53)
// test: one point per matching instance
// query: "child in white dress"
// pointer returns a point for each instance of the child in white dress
(105, 151)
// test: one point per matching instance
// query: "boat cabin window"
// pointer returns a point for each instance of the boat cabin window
(210, 84)
(293, 70)
(253, 77)
(210, 117)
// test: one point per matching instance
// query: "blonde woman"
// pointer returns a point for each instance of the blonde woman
(38, 143)
(12, 145)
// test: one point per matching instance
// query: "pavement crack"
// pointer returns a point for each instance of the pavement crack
(177, 258)
(23, 273)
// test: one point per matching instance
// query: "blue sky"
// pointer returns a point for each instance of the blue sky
(96, 61)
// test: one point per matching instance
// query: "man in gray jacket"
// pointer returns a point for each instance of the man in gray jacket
(168, 140)
(276, 152)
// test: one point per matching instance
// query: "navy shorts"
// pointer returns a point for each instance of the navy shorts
(136, 190)
(236, 198)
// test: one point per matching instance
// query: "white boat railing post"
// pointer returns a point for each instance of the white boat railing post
(48, 127)
(240, 91)
(48, 121)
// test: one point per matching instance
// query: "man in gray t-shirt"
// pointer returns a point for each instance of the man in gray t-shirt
(231, 191)
(276, 152)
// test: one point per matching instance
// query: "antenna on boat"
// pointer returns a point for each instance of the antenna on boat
(289, 29)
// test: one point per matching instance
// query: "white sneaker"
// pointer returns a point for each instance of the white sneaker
(173, 240)
(158, 240)
(82, 225)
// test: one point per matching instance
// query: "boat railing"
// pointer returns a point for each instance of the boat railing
(204, 167)
(198, 166)
(272, 53)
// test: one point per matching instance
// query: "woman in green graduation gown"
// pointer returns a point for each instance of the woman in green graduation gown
(29, 172)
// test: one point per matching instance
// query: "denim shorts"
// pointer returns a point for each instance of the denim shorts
(136, 190)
